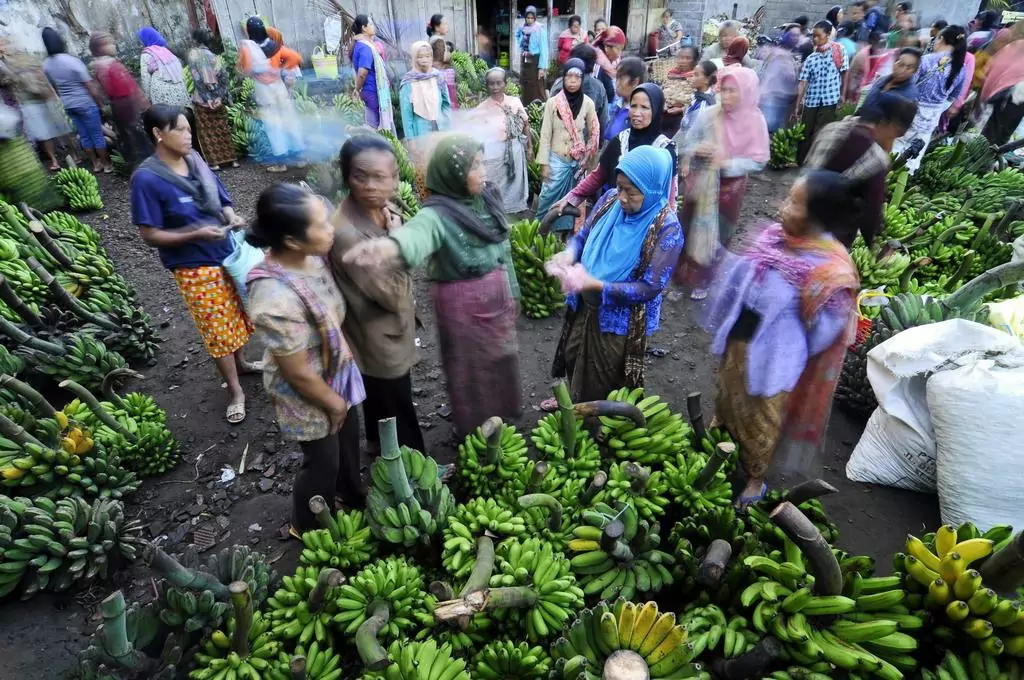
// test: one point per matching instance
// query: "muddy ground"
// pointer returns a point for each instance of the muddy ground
(40, 638)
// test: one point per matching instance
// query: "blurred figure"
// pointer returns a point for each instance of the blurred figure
(670, 33)
(835, 17)
(933, 33)
(904, 28)
(372, 82)
(569, 139)
(737, 52)
(41, 112)
(609, 46)
(866, 67)
(287, 60)
(162, 76)
(209, 96)
(22, 176)
(380, 312)
(507, 143)
(704, 78)
(126, 99)
(726, 143)
(729, 31)
(902, 81)
(615, 270)
(423, 95)
(80, 95)
(780, 317)
(1003, 92)
(532, 38)
(687, 58)
(630, 73)
(874, 21)
(437, 31)
(778, 84)
(461, 234)
(984, 27)
(485, 47)
(941, 82)
(845, 36)
(822, 80)
(858, 148)
(570, 38)
(591, 86)
(983, 57)
(276, 108)
(600, 26)
(678, 88)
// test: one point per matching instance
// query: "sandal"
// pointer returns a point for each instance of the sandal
(699, 294)
(744, 501)
(251, 366)
(235, 413)
(549, 405)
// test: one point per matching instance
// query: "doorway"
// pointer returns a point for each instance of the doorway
(619, 16)
(494, 24)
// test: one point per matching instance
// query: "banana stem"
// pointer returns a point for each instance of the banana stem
(13, 220)
(712, 569)
(318, 506)
(1009, 216)
(14, 301)
(805, 491)
(540, 470)
(963, 270)
(567, 416)
(984, 231)
(1003, 572)
(828, 577)
(96, 407)
(391, 454)
(595, 487)
(612, 543)
(66, 299)
(489, 599)
(20, 337)
(610, 409)
(114, 633)
(723, 452)
(242, 603)
(695, 414)
(491, 430)
(107, 387)
(328, 578)
(482, 569)
(16, 433)
(371, 651)
(548, 502)
(180, 575)
(46, 241)
(971, 293)
(29, 394)
(638, 477)
(297, 667)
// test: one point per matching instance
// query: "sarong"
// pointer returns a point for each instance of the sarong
(513, 183)
(216, 308)
(562, 178)
(214, 135)
(595, 362)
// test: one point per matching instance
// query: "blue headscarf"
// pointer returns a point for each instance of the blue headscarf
(612, 250)
(150, 37)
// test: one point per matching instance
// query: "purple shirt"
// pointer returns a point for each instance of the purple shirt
(932, 76)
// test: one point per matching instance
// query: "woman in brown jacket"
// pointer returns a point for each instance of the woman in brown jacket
(380, 324)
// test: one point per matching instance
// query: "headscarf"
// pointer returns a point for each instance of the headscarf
(1006, 69)
(535, 26)
(637, 138)
(53, 41)
(575, 99)
(161, 59)
(447, 173)
(737, 51)
(833, 15)
(257, 32)
(744, 129)
(612, 250)
(423, 93)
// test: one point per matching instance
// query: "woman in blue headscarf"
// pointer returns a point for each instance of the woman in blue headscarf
(163, 77)
(615, 271)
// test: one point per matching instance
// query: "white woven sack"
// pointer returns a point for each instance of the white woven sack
(893, 454)
(978, 417)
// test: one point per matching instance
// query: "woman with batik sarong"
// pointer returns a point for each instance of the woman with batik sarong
(780, 317)
(569, 138)
(461, 235)
(616, 269)
(209, 96)
(506, 142)
(423, 96)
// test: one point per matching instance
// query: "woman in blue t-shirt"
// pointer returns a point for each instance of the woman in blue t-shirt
(372, 82)
(182, 210)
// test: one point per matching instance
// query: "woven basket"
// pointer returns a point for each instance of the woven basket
(659, 68)
(325, 65)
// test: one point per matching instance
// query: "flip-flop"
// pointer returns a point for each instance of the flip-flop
(744, 501)
(252, 366)
(235, 413)
(549, 405)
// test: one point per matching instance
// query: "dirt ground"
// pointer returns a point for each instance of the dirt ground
(40, 638)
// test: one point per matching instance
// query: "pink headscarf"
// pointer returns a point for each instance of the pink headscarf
(744, 129)
(1006, 69)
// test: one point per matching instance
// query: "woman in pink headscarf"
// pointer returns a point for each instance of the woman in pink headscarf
(609, 46)
(727, 142)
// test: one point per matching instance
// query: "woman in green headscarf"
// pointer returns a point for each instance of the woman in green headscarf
(462, 236)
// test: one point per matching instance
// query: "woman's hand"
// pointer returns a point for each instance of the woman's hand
(337, 415)
(560, 263)
(373, 253)
(209, 233)
(559, 207)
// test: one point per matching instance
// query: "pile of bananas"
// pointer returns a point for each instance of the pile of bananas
(132, 335)
(606, 631)
(494, 466)
(80, 188)
(345, 541)
(219, 658)
(393, 582)
(406, 170)
(534, 565)
(546, 519)
(692, 537)
(664, 434)
(534, 176)
(465, 70)
(506, 660)
(540, 293)
(422, 661)
(607, 566)
(469, 522)
(769, 533)
(709, 630)
(230, 564)
(631, 483)
(47, 545)
(512, 88)
(784, 146)
(407, 200)
(407, 503)
(303, 609)
(887, 270)
(349, 106)
(535, 112)
(83, 358)
(22, 279)
(71, 231)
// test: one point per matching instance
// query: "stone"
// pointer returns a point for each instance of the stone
(265, 484)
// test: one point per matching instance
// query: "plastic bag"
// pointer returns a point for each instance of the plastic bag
(976, 411)
(241, 261)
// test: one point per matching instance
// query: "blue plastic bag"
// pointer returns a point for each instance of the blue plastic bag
(241, 261)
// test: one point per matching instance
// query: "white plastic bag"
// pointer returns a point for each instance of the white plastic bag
(241, 261)
(976, 412)
(898, 445)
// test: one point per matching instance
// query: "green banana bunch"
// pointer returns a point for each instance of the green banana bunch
(532, 566)
(512, 88)
(783, 146)
(692, 537)
(184, 610)
(80, 188)
(219, 660)
(625, 628)
(135, 338)
(26, 285)
(901, 224)
(407, 503)
(608, 567)
(73, 232)
(345, 541)
(407, 200)
(304, 607)
(770, 534)
(421, 661)
(545, 518)
(319, 663)
(394, 582)
(540, 293)
(645, 490)
(696, 493)
(469, 521)
(465, 70)
(563, 469)
(121, 640)
(85, 360)
(665, 433)
(506, 660)
(534, 175)
(464, 641)
(535, 112)
(709, 630)
(493, 466)
(406, 170)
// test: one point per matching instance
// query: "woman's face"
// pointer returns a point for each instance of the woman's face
(793, 211)
(319, 233)
(820, 37)
(685, 60)
(574, 28)
(373, 178)
(477, 175)
(177, 139)
(599, 26)
(424, 59)
(666, 19)
(699, 80)
(839, 16)
(640, 113)
(630, 197)
(370, 30)
(613, 51)
(729, 94)
(442, 28)
(907, 22)
(530, 18)
(496, 86)
(904, 68)
(572, 82)
(624, 86)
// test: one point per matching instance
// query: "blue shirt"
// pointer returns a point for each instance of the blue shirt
(159, 204)
(362, 57)
(907, 90)
(618, 120)
(824, 80)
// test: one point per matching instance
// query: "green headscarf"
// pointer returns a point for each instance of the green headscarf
(447, 173)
